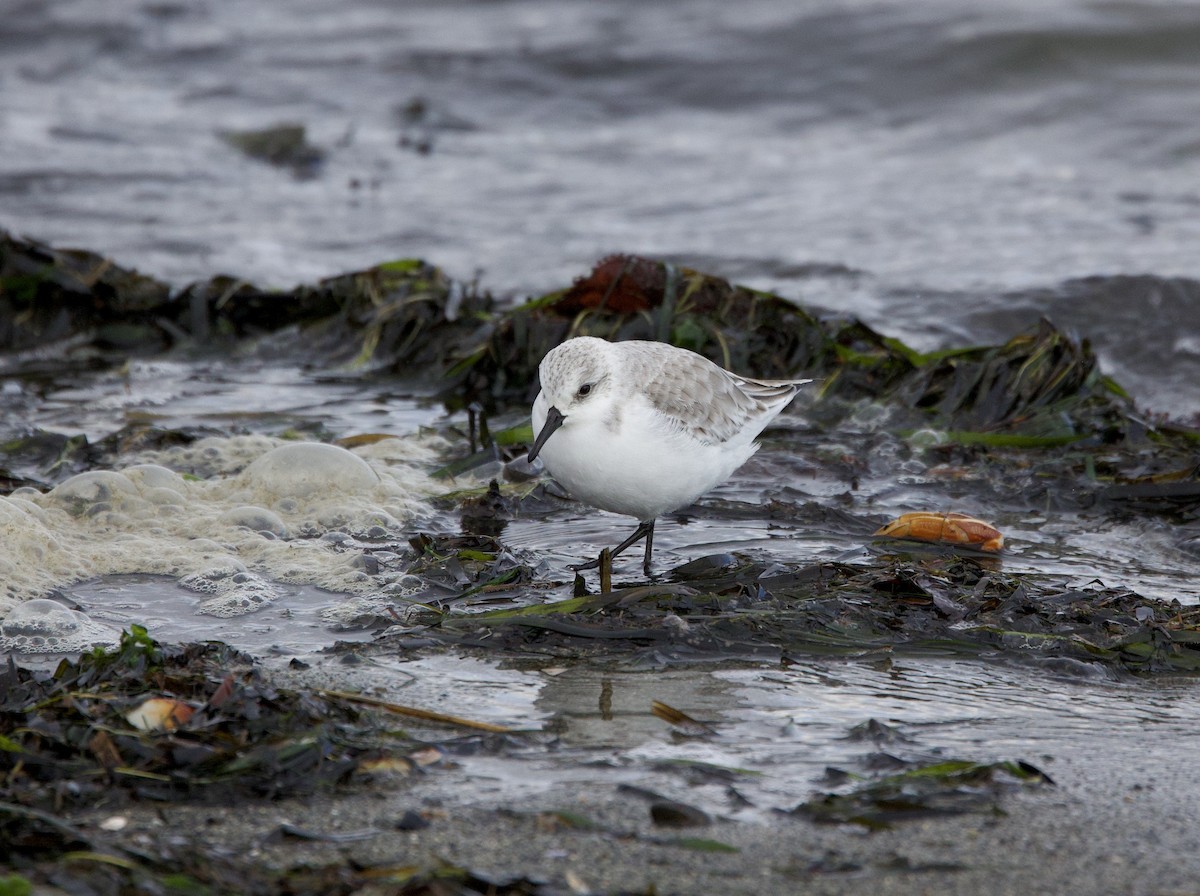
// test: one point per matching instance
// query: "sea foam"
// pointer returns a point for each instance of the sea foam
(229, 518)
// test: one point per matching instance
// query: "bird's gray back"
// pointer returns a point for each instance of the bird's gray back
(699, 397)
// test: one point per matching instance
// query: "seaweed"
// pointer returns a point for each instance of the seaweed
(100, 313)
(77, 738)
(69, 743)
(942, 604)
(922, 789)
(45, 850)
(1040, 389)
(1034, 419)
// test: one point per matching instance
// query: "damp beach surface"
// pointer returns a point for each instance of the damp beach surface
(375, 663)
(273, 290)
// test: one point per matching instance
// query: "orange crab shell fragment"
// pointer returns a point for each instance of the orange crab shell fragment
(947, 528)
(159, 714)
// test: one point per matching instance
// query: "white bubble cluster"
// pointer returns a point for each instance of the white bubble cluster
(46, 626)
(232, 590)
(230, 518)
(362, 608)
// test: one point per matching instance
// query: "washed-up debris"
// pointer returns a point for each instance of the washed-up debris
(952, 605)
(415, 712)
(89, 736)
(86, 736)
(666, 812)
(466, 567)
(680, 721)
(1175, 495)
(922, 790)
(945, 528)
(295, 832)
(487, 514)
(47, 853)
(674, 814)
(160, 714)
(877, 732)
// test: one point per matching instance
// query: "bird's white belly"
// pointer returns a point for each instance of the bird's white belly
(641, 469)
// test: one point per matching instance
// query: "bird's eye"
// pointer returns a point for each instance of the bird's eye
(585, 390)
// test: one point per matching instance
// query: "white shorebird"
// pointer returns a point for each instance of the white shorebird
(644, 428)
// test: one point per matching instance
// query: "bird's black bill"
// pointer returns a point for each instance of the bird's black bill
(554, 419)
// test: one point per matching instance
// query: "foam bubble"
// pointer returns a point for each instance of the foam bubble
(46, 626)
(18, 501)
(154, 476)
(307, 468)
(88, 493)
(164, 496)
(256, 519)
(259, 506)
(33, 560)
(214, 456)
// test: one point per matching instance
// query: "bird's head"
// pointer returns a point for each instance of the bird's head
(577, 379)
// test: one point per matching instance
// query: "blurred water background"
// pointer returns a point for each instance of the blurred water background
(949, 171)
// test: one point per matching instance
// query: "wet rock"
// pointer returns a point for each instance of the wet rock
(282, 145)
(672, 814)
(411, 820)
(487, 514)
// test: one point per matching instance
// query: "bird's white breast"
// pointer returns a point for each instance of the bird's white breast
(634, 460)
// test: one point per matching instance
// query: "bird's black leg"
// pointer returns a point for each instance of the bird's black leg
(644, 530)
(649, 546)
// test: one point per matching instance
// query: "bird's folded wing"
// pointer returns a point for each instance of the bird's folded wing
(708, 403)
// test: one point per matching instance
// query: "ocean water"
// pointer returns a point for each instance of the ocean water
(949, 171)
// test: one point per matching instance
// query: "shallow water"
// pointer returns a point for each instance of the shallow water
(942, 170)
(292, 627)
(776, 732)
(226, 396)
(1144, 554)
(786, 725)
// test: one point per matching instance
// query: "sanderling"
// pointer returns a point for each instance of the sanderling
(644, 428)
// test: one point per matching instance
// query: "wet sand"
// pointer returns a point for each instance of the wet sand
(780, 564)
(1110, 826)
